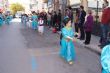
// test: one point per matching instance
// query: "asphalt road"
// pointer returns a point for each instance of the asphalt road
(23, 50)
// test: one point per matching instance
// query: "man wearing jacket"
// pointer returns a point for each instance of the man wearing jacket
(81, 23)
(105, 21)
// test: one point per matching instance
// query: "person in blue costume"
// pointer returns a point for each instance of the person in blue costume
(22, 18)
(34, 21)
(1, 19)
(11, 17)
(8, 19)
(25, 19)
(67, 50)
(105, 59)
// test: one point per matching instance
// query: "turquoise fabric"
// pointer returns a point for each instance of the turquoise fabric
(1, 19)
(105, 59)
(8, 19)
(34, 21)
(24, 19)
(67, 50)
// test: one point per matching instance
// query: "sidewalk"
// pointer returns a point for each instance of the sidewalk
(93, 44)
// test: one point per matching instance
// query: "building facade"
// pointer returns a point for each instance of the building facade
(50, 5)
(36, 5)
(33, 5)
(57, 4)
(4, 5)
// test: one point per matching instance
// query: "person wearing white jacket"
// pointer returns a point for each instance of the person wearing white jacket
(41, 26)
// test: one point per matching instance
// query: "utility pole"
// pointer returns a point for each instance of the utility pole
(97, 12)
(64, 5)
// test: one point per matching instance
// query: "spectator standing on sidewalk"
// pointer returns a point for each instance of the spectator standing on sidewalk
(45, 18)
(49, 19)
(81, 22)
(70, 13)
(59, 20)
(52, 16)
(105, 59)
(88, 26)
(76, 20)
(105, 21)
(54, 19)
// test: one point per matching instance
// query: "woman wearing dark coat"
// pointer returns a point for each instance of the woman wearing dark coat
(54, 19)
(76, 22)
(59, 20)
(81, 23)
(88, 27)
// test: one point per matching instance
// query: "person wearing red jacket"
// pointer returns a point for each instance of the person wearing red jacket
(105, 23)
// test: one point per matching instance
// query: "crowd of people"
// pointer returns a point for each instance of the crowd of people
(5, 18)
(57, 22)
(52, 19)
(83, 22)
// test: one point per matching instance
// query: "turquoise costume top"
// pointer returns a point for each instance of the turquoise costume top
(8, 19)
(11, 17)
(1, 19)
(34, 21)
(67, 50)
(105, 59)
(24, 18)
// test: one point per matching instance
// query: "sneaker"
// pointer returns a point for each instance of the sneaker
(70, 62)
(86, 43)
(76, 36)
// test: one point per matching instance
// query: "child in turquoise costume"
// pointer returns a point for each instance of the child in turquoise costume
(1, 19)
(24, 19)
(67, 50)
(8, 19)
(11, 17)
(105, 59)
(34, 21)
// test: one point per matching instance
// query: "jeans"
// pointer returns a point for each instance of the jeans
(105, 30)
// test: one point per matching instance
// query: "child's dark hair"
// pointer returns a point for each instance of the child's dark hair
(66, 20)
(82, 7)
